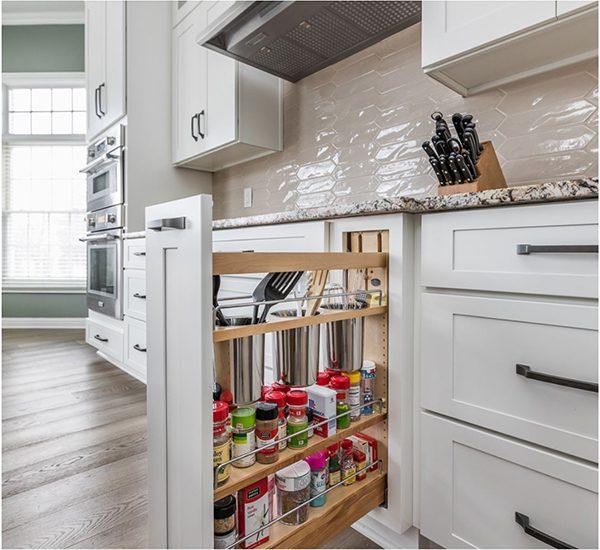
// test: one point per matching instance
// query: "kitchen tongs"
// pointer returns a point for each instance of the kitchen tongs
(274, 287)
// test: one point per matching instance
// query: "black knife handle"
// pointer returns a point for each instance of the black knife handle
(457, 121)
(464, 170)
(469, 145)
(471, 126)
(436, 169)
(454, 169)
(439, 145)
(429, 150)
(445, 170)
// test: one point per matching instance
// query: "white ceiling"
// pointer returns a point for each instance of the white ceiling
(21, 12)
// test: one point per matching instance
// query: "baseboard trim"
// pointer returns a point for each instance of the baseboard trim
(384, 536)
(43, 322)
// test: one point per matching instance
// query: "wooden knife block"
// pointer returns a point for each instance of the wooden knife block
(491, 176)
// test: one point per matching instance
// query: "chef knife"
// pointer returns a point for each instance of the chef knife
(445, 170)
(436, 169)
(429, 150)
(464, 170)
(468, 135)
(471, 126)
(457, 121)
(456, 147)
(439, 145)
(470, 153)
(456, 175)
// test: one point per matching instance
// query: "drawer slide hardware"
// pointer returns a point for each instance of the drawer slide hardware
(523, 521)
(524, 370)
(526, 249)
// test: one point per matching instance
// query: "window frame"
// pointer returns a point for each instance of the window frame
(40, 80)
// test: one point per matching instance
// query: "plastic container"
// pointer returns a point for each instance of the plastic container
(318, 478)
(293, 488)
(224, 516)
(297, 419)
(347, 463)
(278, 398)
(221, 440)
(354, 394)
(368, 372)
(266, 433)
(243, 437)
(341, 385)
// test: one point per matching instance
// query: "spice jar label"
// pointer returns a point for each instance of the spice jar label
(281, 435)
(242, 444)
(335, 477)
(300, 440)
(266, 438)
(293, 483)
(220, 455)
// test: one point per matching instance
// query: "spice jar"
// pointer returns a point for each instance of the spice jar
(278, 398)
(227, 397)
(243, 438)
(323, 379)
(311, 422)
(266, 433)
(318, 478)
(221, 451)
(341, 384)
(293, 488)
(335, 473)
(278, 386)
(297, 420)
(347, 463)
(360, 461)
(367, 374)
(217, 391)
(224, 522)
(354, 394)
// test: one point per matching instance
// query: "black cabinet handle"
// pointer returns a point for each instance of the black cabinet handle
(137, 347)
(139, 253)
(526, 249)
(194, 136)
(100, 339)
(140, 296)
(525, 371)
(200, 114)
(523, 521)
(100, 98)
(96, 92)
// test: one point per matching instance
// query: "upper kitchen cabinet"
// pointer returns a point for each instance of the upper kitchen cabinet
(224, 112)
(181, 8)
(473, 46)
(105, 64)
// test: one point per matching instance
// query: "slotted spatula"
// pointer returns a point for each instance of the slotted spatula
(278, 288)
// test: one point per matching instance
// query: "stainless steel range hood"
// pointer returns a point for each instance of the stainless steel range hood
(295, 39)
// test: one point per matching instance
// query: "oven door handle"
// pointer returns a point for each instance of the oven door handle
(93, 238)
(107, 158)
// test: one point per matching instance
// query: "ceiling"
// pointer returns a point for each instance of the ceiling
(19, 12)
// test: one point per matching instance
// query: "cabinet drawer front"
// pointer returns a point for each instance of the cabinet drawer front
(478, 250)
(135, 345)
(473, 482)
(135, 253)
(135, 294)
(470, 349)
(106, 339)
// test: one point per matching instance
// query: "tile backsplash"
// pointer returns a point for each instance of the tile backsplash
(353, 132)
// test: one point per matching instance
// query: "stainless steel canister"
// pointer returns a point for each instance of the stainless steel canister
(343, 342)
(247, 362)
(296, 353)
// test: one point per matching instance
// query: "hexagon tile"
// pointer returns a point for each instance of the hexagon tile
(353, 132)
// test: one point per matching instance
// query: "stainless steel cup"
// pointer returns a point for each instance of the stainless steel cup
(343, 342)
(296, 353)
(247, 363)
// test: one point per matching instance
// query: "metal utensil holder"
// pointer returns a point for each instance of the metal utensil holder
(343, 342)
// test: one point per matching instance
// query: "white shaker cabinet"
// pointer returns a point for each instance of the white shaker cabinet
(105, 64)
(567, 7)
(224, 112)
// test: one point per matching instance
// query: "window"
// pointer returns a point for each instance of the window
(43, 193)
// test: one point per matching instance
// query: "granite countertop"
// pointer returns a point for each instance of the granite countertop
(586, 188)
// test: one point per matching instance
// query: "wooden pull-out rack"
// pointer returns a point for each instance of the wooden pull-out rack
(345, 504)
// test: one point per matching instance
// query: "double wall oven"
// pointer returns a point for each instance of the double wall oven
(105, 222)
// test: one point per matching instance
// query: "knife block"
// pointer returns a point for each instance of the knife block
(490, 175)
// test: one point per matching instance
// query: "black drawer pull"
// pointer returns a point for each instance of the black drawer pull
(139, 253)
(523, 521)
(525, 249)
(100, 339)
(524, 370)
(140, 296)
(137, 347)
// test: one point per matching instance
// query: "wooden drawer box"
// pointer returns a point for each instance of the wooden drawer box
(473, 483)
(134, 293)
(134, 253)
(470, 348)
(477, 250)
(104, 338)
(135, 346)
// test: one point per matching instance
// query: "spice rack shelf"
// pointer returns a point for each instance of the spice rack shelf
(344, 506)
(241, 477)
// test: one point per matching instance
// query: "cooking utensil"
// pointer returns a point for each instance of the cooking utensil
(445, 170)
(464, 170)
(316, 286)
(436, 170)
(247, 364)
(429, 150)
(343, 341)
(471, 126)
(221, 320)
(278, 288)
(457, 122)
(456, 175)
(259, 294)
(439, 145)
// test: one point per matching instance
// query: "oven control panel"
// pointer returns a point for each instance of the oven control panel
(107, 218)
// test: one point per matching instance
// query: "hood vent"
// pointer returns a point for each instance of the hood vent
(295, 39)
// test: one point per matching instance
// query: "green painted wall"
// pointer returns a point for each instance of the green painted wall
(43, 305)
(42, 48)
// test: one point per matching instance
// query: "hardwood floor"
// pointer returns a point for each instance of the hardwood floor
(74, 447)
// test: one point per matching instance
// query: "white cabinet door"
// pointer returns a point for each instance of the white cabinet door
(453, 27)
(112, 94)
(566, 7)
(219, 123)
(95, 61)
(180, 373)
(181, 8)
(189, 87)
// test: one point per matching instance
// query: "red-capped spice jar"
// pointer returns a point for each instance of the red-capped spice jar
(266, 433)
(264, 390)
(360, 461)
(221, 440)
(297, 419)
(278, 386)
(333, 372)
(323, 379)
(278, 398)
(341, 385)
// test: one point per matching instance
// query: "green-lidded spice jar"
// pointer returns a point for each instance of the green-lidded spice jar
(243, 435)
(297, 419)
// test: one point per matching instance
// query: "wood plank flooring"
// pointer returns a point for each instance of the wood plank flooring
(74, 447)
